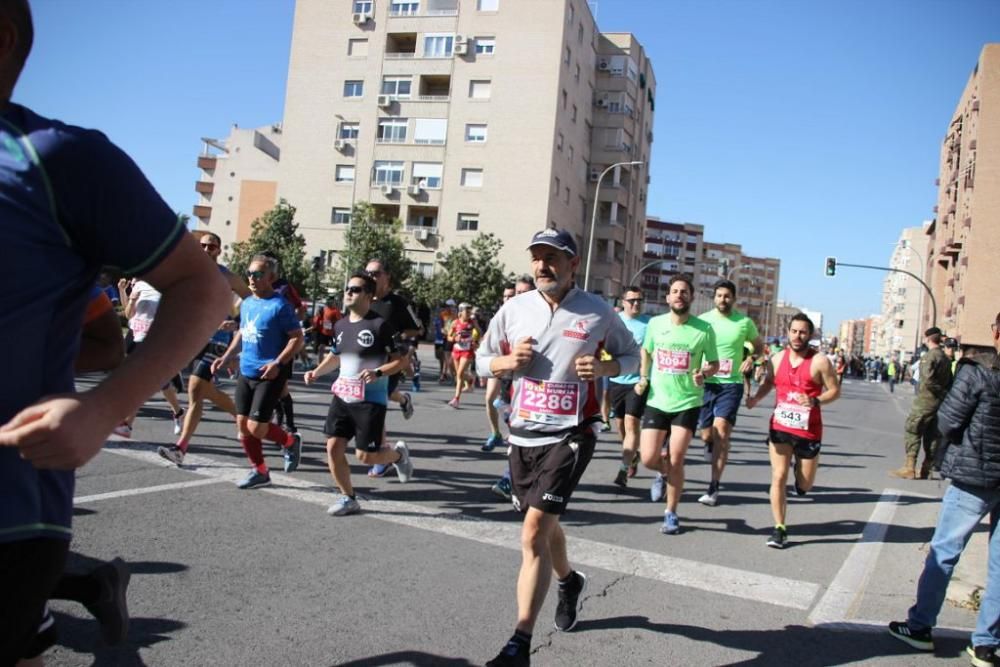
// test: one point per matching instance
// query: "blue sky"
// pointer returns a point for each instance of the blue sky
(799, 129)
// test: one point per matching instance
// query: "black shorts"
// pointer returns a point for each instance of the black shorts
(804, 449)
(256, 399)
(662, 421)
(203, 362)
(439, 350)
(394, 383)
(362, 421)
(30, 571)
(624, 400)
(545, 477)
(324, 340)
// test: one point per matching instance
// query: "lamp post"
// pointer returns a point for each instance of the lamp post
(593, 218)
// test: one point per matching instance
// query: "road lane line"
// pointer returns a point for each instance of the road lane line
(144, 490)
(838, 601)
(716, 579)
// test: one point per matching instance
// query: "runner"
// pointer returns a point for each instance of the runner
(804, 380)
(625, 402)
(442, 349)
(464, 336)
(548, 341)
(323, 324)
(365, 351)
(61, 219)
(493, 389)
(270, 336)
(724, 391)
(284, 411)
(678, 355)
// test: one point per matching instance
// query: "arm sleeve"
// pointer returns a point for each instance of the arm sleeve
(957, 407)
(621, 345)
(490, 348)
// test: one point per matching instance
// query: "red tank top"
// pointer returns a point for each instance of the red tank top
(789, 415)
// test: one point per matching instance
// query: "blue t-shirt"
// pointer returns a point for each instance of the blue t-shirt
(265, 325)
(70, 203)
(637, 325)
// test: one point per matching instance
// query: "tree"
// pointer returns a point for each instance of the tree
(277, 232)
(371, 235)
(472, 273)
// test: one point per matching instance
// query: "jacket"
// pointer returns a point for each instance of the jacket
(969, 421)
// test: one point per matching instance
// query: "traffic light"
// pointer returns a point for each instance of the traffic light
(831, 266)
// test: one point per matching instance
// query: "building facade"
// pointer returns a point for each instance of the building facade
(462, 117)
(670, 248)
(964, 237)
(902, 296)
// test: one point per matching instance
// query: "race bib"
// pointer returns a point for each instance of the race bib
(349, 390)
(327, 327)
(725, 367)
(673, 362)
(551, 403)
(464, 342)
(792, 415)
(140, 325)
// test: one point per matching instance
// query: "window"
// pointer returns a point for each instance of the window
(430, 130)
(426, 269)
(475, 133)
(424, 220)
(565, 99)
(387, 173)
(397, 87)
(392, 130)
(570, 153)
(354, 88)
(357, 48)
(404, 8)
(486, 46)
(559, 141)
(472, 178)
(579, 33)
(438, 46)
(344, 173)
(566, 196)
(571, 14)
(577, 74)
(341, 216)
(488, 5)
(572, 116)
(556, 186)
(348, 131)
(427, 175)
(363, 6)
(567, 57)
(479, 90)
(468, 222)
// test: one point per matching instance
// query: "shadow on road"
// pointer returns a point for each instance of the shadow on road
(408, 658)
(81, 635)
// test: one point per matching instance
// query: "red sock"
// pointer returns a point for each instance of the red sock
(255, 452)
(279, 435)
(182, 445)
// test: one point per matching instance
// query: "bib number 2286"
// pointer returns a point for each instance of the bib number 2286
(554, 403)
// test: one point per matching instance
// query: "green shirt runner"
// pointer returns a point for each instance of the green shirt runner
(676, 351)
(731, 335)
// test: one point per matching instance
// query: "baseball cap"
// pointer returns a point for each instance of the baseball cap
(557, 238)
(465, 306)
(950, 342)
(932, 331)
(449, 302)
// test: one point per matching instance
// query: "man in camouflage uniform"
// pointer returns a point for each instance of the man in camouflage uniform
(921, 425)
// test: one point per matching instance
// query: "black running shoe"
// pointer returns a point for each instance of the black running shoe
(111, 608)
(918, 639)
(778, 539)
(511, 655)
(621, 479)
(570, 602)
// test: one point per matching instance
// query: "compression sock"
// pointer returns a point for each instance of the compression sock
(279, 435)
(289, 408)
(255, 452)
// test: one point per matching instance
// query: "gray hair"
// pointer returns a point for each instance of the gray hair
(269, 262)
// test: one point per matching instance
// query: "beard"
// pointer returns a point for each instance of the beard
(680, 310)
(798, 346)
(725, 309)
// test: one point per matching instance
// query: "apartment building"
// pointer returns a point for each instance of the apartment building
(463, 117)
(964, 237)
(238, 181)
(902, 296)
(670, 248)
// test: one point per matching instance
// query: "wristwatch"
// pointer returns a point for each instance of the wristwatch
(378, 372)
(816, 402)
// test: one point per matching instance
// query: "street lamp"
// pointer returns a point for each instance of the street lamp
(729, 274)
(593, 218)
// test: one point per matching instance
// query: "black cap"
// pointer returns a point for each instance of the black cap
(950, 342)
(557, 238)
(932, 331)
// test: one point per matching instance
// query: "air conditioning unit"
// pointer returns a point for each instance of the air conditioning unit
(461, 39)
(385, 100)
(388, 189)
(361, 18)
(421, 233)
(414, 190)
(603, 65)
(461, 49)
(339, 144)
(601, 102)
(595, 174)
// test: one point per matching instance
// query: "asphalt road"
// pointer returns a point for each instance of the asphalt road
(425, 576)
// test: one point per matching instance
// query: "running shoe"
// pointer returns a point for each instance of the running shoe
(570, 601)
(671, 524)
(918, 639)
(621, 479)
(123, 430)
(380, 470)
(605, 427)
(511, 655)
(982, 656)
(255, 480)
(778, 539)
(799, 491)
(178, 422)
(293, 453)
(173, 453)
(404, 466)
(345, 505)
(406, 406)
(658, 489)
(111, 607)
(491, 442)
(502, 488)
(633, 467)
(711, 497)
(453, 403)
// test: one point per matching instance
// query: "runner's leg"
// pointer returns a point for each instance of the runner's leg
(781, 459)
(340, 469)
(680, 439)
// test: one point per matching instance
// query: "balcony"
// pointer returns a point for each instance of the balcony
(400, 45)
(206, 162)
(204, 187)
(203, 213)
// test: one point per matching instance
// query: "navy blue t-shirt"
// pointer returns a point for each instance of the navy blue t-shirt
(70, 203)
(264, 325)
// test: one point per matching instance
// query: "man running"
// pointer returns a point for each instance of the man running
(364, 349)
(61, 220)
(724, 390)
(678, 354)
(549, 340)
(270, 336)
(804, 380)
(625, 402)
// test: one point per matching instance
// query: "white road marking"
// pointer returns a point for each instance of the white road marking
(839, 599)
(141, 491)
(676, 571)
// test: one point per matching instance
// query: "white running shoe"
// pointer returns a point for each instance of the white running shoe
(404, 466)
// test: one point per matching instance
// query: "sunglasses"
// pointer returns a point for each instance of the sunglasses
(634, 302)
(256, 275)
(354, 289)
(209, 245)
(374, 274)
